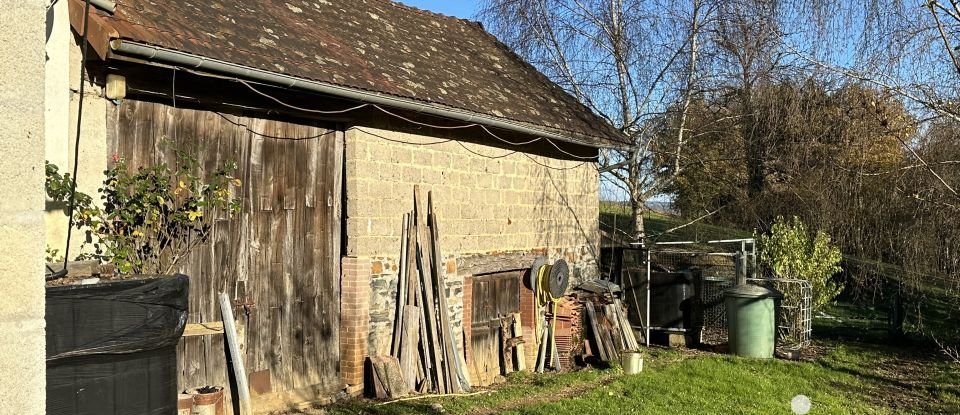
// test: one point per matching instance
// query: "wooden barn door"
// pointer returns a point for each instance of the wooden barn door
(279, 258)
(494, 296)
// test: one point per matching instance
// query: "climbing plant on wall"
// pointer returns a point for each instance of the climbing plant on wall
(150, 218)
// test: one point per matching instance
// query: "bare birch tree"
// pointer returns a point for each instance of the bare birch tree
(627, 60)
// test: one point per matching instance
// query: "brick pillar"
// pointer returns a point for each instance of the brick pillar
(468, 327)
(354, 318)
(528, 317)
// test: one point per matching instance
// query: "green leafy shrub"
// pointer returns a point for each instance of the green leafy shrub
(790, 252)
(150, 219)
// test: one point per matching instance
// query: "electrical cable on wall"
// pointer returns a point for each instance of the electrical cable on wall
(76, 147)
(395, 115)
(225, 117)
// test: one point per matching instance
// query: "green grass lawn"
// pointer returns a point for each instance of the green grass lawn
(855, 369)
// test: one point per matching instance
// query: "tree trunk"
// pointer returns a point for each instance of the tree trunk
(754, 148)
(637, 210)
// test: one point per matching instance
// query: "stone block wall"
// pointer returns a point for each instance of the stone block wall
(512, 203)
(486, 207)
(383, 303)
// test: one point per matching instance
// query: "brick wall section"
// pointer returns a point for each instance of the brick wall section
(354, 318)
(528, 320)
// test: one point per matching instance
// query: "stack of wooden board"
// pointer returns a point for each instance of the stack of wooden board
(423, 339)
(610, 331)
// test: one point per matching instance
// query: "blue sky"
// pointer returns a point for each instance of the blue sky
(464, 9)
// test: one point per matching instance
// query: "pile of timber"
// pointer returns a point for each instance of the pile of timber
(610, 331)
(424, 343)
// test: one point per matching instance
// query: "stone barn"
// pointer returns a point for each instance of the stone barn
(333, 110)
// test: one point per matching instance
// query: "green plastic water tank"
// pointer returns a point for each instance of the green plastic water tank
(752, 320)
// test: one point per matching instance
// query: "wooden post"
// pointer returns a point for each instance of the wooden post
(410, 319)
(230, 330)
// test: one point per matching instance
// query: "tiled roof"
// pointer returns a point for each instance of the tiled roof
(371, 45)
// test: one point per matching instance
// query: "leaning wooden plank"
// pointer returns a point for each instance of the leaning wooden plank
(203, 329)
(520, 356)
(410, 267)
(621, 331)
(423, 265)
(625, 324)
(387, 378)
(628, 335)
(243, 391)
(432, 340)
(595, 328)
(424, 364)
(629, 339)
(376, 386)
(506, 350)
(615, 331)
(453, 373)
(401, 292)
(409, 344)
(606, 330)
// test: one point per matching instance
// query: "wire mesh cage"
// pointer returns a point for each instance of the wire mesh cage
(715, 267)
(795, 313)
(718, 264)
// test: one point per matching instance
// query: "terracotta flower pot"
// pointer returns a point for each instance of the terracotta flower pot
(185, 404)
(208, 401)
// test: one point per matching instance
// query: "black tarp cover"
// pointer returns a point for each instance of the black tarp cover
(111, 347)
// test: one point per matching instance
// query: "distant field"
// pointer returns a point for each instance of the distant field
(616, 217)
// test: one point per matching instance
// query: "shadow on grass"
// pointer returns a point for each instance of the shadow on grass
(905, 373)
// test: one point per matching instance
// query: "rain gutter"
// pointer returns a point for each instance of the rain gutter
(188, 60)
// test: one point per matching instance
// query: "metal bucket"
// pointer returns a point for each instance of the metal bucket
(632, 362)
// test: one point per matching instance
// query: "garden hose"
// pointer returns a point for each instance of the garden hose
(550, 280)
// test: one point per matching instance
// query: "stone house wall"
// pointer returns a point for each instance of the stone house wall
(500, 205)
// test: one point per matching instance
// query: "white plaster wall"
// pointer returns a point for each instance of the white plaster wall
(22, 344)
(63, 98)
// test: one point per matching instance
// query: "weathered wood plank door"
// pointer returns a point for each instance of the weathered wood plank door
(494, 296)
(279, 258)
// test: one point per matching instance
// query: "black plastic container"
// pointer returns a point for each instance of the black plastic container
(111, 347)
(674, 301)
